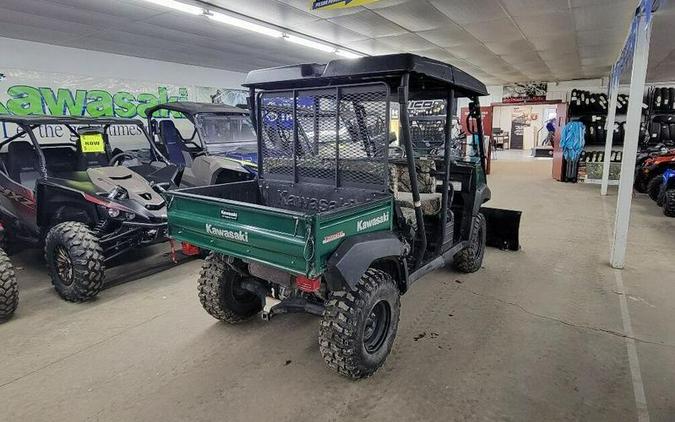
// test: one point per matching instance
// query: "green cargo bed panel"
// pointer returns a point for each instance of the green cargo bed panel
(274, 239)
(298, 242)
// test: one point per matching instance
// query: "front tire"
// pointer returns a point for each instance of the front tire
(654, 187)
(470, 259)
(9, 291)
(75, 261)
(221, 295)
(669, 203)
(359, 327)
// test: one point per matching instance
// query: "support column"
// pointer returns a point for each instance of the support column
(611, 117)
(637, 89)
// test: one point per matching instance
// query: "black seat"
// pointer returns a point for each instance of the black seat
(22, 164)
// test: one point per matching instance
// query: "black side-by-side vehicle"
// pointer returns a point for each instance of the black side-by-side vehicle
(86, 201)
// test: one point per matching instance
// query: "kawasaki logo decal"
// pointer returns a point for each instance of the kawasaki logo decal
(230, 215)
(239, 236)
(338, 4)
(362, 225)
(333, 237)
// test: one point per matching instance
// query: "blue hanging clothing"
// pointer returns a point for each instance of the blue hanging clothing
(572, 140)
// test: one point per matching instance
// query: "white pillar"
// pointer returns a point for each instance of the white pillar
(637, 89)
(611, 117)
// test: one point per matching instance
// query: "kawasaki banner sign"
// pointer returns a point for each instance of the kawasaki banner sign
(25, 93)
(338, 4)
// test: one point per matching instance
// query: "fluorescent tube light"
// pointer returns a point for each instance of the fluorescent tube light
(176, 5)
(348, 54)
(243, 24)
(309, 43)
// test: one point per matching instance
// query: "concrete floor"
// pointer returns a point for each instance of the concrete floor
(535, 335)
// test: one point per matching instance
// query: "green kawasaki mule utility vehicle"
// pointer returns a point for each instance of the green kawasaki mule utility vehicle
(331, 226)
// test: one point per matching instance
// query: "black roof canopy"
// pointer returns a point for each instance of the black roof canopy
(428, 79)
(191, 108)
(33, 120)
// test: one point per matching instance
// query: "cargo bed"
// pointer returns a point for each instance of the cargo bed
(282, 225)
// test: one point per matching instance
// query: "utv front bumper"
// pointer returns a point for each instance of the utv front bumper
(131, 235)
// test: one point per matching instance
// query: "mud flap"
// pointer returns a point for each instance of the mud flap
(503, 227)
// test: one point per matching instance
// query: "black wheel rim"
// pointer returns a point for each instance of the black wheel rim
(64, 265)
(377, 327)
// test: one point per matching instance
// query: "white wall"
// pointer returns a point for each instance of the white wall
(27, 55)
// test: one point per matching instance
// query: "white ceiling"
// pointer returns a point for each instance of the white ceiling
(662, 50)
(497, 41)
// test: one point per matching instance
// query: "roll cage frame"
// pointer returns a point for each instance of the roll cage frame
(191, 110)
(28, 124)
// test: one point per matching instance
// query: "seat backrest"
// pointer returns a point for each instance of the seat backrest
(173, 142)
(22, 163)
(399, 178)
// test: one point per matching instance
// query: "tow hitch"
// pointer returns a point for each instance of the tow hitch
(289, 305)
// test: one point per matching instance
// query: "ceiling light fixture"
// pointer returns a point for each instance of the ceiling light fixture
(269, 31)
(309, 43)
(176, 5)
(243, 24)
(348, 54)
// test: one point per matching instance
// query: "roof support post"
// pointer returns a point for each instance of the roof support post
(637, 88)
(447, 144)
(611, 118)
(403, 96)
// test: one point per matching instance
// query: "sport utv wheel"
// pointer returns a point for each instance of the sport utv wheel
(358, 327)
(75, 261)
(669, 203)
(654, 186)
(9, 291)
(221, 294)
(470, 259)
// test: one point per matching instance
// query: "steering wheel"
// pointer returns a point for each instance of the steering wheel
(194, 148)
(118, 159)
(193, 144)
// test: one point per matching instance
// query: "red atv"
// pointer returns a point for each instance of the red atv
(647, 175)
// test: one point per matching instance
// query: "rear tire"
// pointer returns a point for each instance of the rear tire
(75, 261)
(470, 259)
(9, 291)
(640, 185)
(359, 327)
(654, 186)
(669, 203)
(220, 293)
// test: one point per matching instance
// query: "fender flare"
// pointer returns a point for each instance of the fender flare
(483, 195)
(355, 255)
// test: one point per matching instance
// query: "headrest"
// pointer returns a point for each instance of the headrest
(20, 147)
(167, 125)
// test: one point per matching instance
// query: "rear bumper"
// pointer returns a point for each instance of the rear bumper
(132, 235)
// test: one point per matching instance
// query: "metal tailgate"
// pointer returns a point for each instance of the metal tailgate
(248, 231)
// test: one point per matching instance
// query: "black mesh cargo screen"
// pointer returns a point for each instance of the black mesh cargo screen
(335, 136)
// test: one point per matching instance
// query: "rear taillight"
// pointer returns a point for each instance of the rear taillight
(189, 249)
(309, 285)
